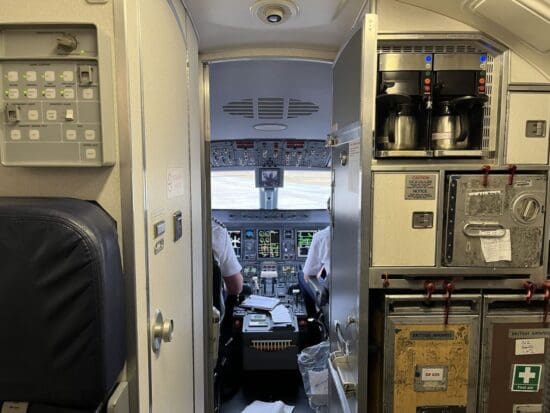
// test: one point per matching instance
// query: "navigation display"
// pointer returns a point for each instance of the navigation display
(303, 241)
(269, 243)
(236, 242)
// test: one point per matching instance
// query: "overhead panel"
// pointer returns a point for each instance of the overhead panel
(528, 19)
(270, 99)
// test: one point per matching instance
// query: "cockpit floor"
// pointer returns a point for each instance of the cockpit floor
(269, 386)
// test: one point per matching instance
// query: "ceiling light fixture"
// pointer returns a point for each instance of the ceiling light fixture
(274, 12)
(270, 127)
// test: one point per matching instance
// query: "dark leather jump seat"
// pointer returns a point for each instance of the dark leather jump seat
(62, 304)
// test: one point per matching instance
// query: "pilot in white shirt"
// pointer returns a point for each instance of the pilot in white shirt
(226, 259)
(318, 256)
(318, 259)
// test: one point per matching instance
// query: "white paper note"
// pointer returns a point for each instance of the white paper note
(281, 315)
(14, 407)
(264, 407)
(527, 346)
(497, 248)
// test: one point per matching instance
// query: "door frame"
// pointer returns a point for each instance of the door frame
(200, 178)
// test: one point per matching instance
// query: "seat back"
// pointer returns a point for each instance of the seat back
(62, 303)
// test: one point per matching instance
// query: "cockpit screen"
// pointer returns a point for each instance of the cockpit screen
(303, 241)
(235, 237)
(269, 243)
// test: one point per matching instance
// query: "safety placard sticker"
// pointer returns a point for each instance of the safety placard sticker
(529, 346)
(420, 187)
(526, 377)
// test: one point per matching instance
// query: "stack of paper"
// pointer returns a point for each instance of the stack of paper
(260, 303)
(263, 407)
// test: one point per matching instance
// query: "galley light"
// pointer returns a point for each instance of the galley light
(274, 12)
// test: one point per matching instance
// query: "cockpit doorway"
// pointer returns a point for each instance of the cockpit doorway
(270, 178)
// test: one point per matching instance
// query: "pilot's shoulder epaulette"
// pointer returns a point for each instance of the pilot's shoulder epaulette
(217, 221)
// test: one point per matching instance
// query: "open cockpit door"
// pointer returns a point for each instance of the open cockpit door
(353, 124)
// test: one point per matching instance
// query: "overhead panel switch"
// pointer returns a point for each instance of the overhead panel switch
(85, 75)
(13, 114)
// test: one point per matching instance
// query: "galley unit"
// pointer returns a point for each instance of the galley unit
(444, 184)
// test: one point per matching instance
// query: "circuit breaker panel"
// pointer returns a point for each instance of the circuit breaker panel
(55, 109)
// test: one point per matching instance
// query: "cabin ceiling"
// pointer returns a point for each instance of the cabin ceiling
(232, 24)
(270, 99)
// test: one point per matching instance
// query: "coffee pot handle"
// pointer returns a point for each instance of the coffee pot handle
(391, 127)
(464, 126)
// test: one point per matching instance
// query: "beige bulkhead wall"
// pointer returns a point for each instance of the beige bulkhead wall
(98, 184)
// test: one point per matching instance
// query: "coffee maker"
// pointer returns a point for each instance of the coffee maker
(459, 95)
(404, 92)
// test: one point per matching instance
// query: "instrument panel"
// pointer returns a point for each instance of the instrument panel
(271, 153)
(272, 246)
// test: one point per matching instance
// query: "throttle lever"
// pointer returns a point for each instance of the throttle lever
(449, 287)
(530, 288)
(429, 286)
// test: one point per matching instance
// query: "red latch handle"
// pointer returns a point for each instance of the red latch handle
(449, 287)
(546, 286)
(486, 169)
(386, 282)
(512, 169)
(530, 288)
(429, 286)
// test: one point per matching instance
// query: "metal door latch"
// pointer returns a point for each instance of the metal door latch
(161, 331)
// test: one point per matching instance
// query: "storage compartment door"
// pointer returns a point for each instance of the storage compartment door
(404, 219)
(514, 343)
(430, 366)
(527, 128)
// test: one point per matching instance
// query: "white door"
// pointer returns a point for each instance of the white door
(165, 109)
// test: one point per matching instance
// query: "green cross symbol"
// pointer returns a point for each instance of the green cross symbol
(526, 377)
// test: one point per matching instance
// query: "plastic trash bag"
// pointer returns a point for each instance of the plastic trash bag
(313, 365)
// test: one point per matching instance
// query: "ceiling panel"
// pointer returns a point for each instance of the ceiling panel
(224, 24)
(266, 99)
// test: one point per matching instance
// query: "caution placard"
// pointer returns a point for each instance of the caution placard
(526, 377)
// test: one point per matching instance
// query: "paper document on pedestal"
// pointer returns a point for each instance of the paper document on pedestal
(260, 303)
(263, 407)
(281, 315)
(497, 248)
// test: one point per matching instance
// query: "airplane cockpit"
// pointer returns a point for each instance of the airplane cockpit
(270, 183)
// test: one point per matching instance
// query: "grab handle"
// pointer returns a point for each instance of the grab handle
(484, 229)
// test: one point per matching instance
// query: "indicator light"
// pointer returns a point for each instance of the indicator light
(481, 80)
(428, 58)
(427, 81)
(426, 88)
(483, 58)
(482, 88)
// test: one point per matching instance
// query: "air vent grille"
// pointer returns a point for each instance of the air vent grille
(243, 107)
(297, 107)
(270, 108)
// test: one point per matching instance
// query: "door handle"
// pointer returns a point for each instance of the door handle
(484, 229)
(162, 331)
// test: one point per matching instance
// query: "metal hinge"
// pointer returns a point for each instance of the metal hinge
(331, 141)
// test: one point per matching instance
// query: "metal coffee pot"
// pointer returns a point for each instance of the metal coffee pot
(400, 127)
(451, 122)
